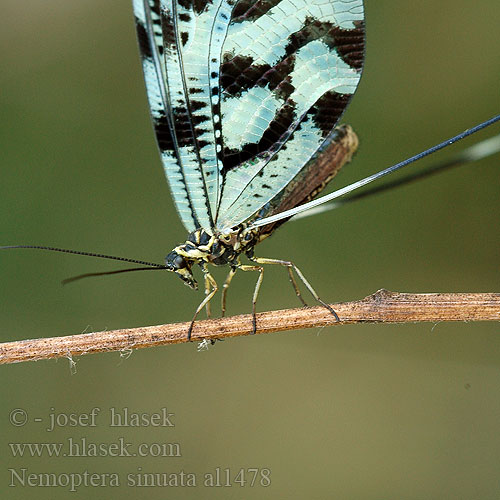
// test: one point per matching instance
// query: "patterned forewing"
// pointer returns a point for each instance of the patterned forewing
(186, 36)
(243, 93)
(193, 33)
(149, 33)
(289, 68)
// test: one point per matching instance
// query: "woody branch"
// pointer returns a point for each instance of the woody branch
(381, 307)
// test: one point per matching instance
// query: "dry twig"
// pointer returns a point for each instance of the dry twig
(381, 307)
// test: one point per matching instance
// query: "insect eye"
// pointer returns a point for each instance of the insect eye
(174, 261)
(179, 262)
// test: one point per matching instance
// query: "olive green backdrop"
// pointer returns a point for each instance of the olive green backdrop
(380, 412)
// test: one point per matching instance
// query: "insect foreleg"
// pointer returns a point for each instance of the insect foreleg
(208, 291)
(209, 281)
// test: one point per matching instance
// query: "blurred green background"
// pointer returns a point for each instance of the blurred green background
(365, 411)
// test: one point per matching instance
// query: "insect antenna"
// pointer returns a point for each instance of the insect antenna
(106, 273)
(145, 265)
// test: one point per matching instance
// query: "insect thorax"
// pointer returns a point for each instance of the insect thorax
(218, 249)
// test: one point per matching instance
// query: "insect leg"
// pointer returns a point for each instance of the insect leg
(290, 266)
(260, 269)
(207, 292)
(230, 275)
(208, 297)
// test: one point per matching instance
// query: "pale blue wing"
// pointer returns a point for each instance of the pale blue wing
(243, 93)
(289, 70)
(180, 45)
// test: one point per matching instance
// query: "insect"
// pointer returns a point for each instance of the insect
(245, 96)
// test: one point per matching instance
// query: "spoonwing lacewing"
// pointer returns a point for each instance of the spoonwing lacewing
(245, 99)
